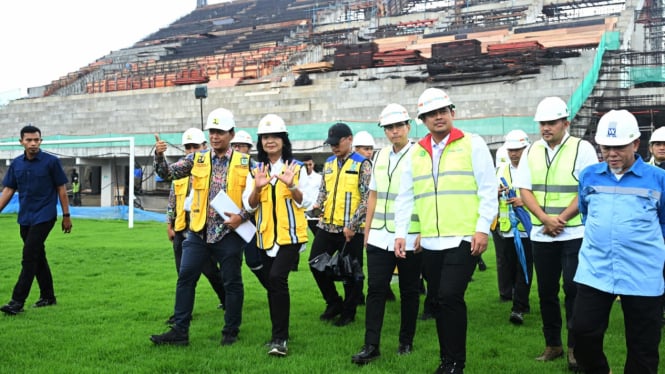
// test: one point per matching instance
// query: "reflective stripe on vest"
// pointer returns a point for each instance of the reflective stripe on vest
(235, 184)
(386, 192)
(504, 218)
(553, 185)
(278, 218)
(451, 207)
(180, 192)
(342, 188)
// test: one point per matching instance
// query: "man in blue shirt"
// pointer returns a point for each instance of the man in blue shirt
(40, 181)
(623, 207)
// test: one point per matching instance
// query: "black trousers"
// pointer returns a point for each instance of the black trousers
(34, 263)
(210, 269)
(554, 260)
(325, 241)
(279, 299)
(510, 275)
(380, 266)
(449, 273)
(642, 321)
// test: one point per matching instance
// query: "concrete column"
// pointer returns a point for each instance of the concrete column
(108, 186)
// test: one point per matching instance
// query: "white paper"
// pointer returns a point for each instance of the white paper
(223, 203)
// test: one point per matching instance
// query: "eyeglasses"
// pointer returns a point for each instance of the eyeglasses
(192, 146)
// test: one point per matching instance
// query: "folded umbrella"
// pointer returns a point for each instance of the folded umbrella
(519, 247)
(521, 213)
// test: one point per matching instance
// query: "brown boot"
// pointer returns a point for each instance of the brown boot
(572, 362)
(550, 353)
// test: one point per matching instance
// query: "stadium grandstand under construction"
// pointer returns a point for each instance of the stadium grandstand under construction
(317, 62)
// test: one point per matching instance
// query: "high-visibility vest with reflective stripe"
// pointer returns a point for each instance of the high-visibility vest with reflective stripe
(235, 184)
(504, 218)
(554, 186)
(180, 193)
(387, 187)
(278, 218)
(342, 188)
(449, 208)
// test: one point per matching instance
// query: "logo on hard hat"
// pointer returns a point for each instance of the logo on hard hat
(612, 130)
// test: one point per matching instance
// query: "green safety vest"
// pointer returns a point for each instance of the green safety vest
(386, 192)
(449, 208)
(553, 184)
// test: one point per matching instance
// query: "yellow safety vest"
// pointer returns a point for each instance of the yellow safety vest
(504, 218)
(449, 208)
(278, 218)
(235, 184)
(386, 192)
(553, 184)
(180, 187)
(343, 195)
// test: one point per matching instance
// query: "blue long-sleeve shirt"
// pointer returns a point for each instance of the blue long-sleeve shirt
(623, 251)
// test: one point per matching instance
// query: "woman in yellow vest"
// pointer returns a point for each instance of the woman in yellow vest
(273, 193)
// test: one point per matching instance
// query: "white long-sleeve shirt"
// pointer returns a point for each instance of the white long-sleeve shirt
(483, 171)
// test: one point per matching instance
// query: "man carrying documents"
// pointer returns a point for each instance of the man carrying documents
(218, 171)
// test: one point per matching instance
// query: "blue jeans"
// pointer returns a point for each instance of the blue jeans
(553, 261)
(195, 253)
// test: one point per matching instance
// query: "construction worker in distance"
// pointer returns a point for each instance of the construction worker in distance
(274, 192)
(177, 218)
(343, 196)
(513, 284)
(449, 184)
(242, 142)
(379, 241)
(210, 233)
(622, 203)
(657, 148)
(548, 180)
(363, 144)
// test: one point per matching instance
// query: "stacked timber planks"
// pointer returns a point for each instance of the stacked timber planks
(398, 57)
(354, 56)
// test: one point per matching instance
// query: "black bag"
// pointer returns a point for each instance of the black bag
(320, 262)
(343, 267)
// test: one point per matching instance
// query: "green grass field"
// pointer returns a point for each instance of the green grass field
(115, 287)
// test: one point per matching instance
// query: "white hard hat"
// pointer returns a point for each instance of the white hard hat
(221, 119)
(363, 138)
(193, 136)
(271, 124)
(516, 139)
(550, 109)
(617, 128)
(393, 113)
(242, 137)
(658, 135)
(432, 99)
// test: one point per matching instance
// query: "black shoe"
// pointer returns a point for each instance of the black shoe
(44, 302)
(404, 349)
(368, 354)
(332, 311)
(516, 318)
(447, 367)
(344, 320)
(229, 339)
(12, 308)
(171, 337)
(278, 348)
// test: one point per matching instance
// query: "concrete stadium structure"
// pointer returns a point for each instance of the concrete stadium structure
(490, 106)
